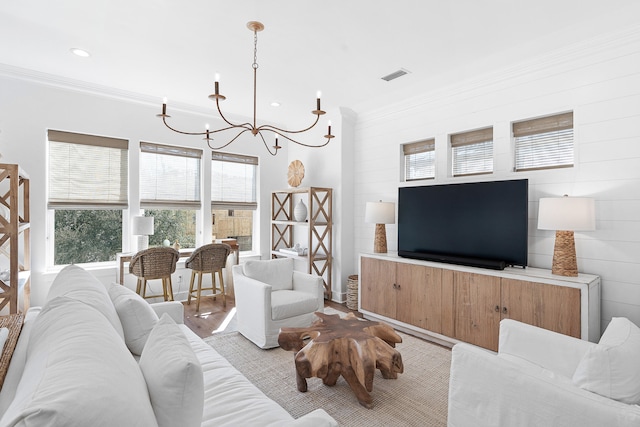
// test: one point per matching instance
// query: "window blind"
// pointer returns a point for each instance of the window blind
(472, 152)
(544, 143)
(419, 160)
(169, 176)
(233, 181)
(87, 171)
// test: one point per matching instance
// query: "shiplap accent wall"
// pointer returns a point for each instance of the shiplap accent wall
(599, 80)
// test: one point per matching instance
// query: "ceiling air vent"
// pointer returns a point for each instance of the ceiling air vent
(401, 72)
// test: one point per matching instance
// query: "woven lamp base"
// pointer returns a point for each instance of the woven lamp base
(564, 255)
(380, 242)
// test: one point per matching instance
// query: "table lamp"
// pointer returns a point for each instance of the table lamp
(566, 215)
(380, 213)
(142, 226)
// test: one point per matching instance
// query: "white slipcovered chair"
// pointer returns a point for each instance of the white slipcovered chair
(270, 294)
(542, 378)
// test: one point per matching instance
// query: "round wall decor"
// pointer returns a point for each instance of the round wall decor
(295, 173)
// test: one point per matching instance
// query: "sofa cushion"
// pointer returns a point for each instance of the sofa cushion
(77, 283)
(173, 375)
(611, 368)
(278, 273)
(136, 315)
(286, 304)
(78, 372)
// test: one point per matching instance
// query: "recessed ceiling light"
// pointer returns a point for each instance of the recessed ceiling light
(275, 104)
(80, 52)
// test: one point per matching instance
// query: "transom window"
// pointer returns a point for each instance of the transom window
(544, 143)
(472, 152)
(419, 160)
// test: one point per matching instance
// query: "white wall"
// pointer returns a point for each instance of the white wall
(599, 80)
(30, 106)
(332, 166)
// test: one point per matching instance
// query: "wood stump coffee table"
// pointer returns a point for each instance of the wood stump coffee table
(347, 346)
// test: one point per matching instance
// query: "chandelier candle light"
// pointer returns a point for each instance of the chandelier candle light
(250, 127)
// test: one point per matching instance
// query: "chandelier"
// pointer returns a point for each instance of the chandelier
(251, 127)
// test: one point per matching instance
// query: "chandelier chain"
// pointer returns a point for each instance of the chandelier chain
(255, 50)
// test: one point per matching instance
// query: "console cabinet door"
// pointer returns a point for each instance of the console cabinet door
(419, 296)
(477, 311)
(556, 308)
(378, 286)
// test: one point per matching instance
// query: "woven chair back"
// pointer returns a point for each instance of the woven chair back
(154, 263)
(209, 258)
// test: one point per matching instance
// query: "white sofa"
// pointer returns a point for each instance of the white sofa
(271, 295)
(98, 355)
(542, 378)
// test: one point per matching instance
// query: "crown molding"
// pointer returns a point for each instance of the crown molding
(93, 89)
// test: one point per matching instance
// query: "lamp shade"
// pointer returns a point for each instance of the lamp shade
(142, 226)
(380, 212)
(567, 214)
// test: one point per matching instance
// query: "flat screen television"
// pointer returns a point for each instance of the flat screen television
(481, 224)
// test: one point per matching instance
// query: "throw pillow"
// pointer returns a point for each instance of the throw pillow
(173, 375)
(136, 315)
(275, 272)
(611, 368)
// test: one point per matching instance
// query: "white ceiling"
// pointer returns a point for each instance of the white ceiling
(343, 47)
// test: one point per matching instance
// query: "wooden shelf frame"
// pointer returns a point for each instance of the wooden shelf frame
(319, 229)
(15, 233)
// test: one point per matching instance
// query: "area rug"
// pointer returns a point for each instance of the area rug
(417, 398)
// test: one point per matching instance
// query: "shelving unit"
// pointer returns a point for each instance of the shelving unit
(15, 251)
(315, 233)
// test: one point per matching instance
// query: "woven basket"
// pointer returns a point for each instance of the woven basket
(352, 292)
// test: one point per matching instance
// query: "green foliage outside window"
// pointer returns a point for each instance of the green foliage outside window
(174, 225)
(83, 236)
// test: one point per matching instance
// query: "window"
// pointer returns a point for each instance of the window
(472, 152)
(419, 160)
(170, 191)
(175, 225)
(87, 191)
(544, 143)
(233, 197)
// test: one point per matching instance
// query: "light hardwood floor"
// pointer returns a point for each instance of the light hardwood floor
(213, 314)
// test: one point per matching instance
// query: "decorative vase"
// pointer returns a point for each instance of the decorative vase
(300, 211)
(166, 242)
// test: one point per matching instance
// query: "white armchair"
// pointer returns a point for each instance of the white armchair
(270, 294)
(542, 378)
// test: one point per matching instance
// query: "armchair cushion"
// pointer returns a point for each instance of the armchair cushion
(278, 273)
(286, 304)
(611, 368)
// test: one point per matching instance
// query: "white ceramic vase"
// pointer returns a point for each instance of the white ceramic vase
(300, 212)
